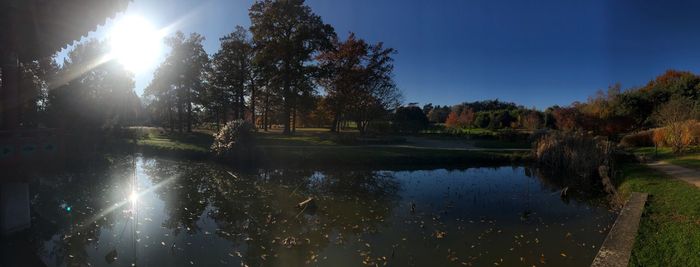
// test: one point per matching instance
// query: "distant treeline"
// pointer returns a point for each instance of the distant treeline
(609, 113)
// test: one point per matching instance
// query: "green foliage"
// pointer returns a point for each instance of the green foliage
(287, 35)
(178, 83)
(410, 119)
(88, 97)
(482, 120)
(232, 75)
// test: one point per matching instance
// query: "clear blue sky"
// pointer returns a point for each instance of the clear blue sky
(535, 53)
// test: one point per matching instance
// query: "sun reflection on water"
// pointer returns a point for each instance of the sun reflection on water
(134, 197)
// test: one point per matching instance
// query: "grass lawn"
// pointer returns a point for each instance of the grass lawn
(669, 233)
(197, 141)
(318, 146)
(690, 159)
(304, 137)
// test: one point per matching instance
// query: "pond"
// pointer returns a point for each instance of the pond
(151, 211)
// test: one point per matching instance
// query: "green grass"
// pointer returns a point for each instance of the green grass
(669, 233)
(690, 159)
(155, 138)
(317, 146)
(299, 139)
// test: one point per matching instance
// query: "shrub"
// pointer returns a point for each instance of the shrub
(677, 117)
(659, 137)
(574, 154)
(639, 139)
(678, 137)
(409, 119)
(235, 141)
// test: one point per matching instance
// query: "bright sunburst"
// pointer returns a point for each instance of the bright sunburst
(136, 44)
(134, 197)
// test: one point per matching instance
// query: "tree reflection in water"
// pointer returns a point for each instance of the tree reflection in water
(201, 213)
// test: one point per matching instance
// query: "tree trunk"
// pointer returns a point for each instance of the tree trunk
(335, 124)
(171, 119)
(294, 120)
(266, 108)
(234, 105)
(189, 116)
(287, 119)
(252, 103)
(287, 109)
(179, 116)
(241, 105)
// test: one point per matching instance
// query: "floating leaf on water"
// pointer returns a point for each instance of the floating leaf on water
(440, 234)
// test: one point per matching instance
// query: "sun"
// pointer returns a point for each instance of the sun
(135, 43)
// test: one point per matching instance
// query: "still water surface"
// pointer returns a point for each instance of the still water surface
(155, 212)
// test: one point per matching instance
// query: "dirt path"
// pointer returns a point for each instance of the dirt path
(689, 175)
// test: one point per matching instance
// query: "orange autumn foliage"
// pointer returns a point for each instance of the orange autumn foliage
(452, 120)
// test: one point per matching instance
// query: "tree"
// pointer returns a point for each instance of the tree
(483, 119)
(409, 119)
(427, 108)
(342, 68)
(233, 75)
(288, 35)
(567, 118)
(359, 81)
(501, 119)
(377, 94)
(531, 119)
(179, 82)
(466, 118)
(438, 114)
(676, 116)
(89, 96)
(34, 81)
(452, 120)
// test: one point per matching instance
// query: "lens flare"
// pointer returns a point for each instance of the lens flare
(134, 197)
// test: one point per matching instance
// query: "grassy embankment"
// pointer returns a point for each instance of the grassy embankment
(318, 146)
(669, 233)
(690, 159)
